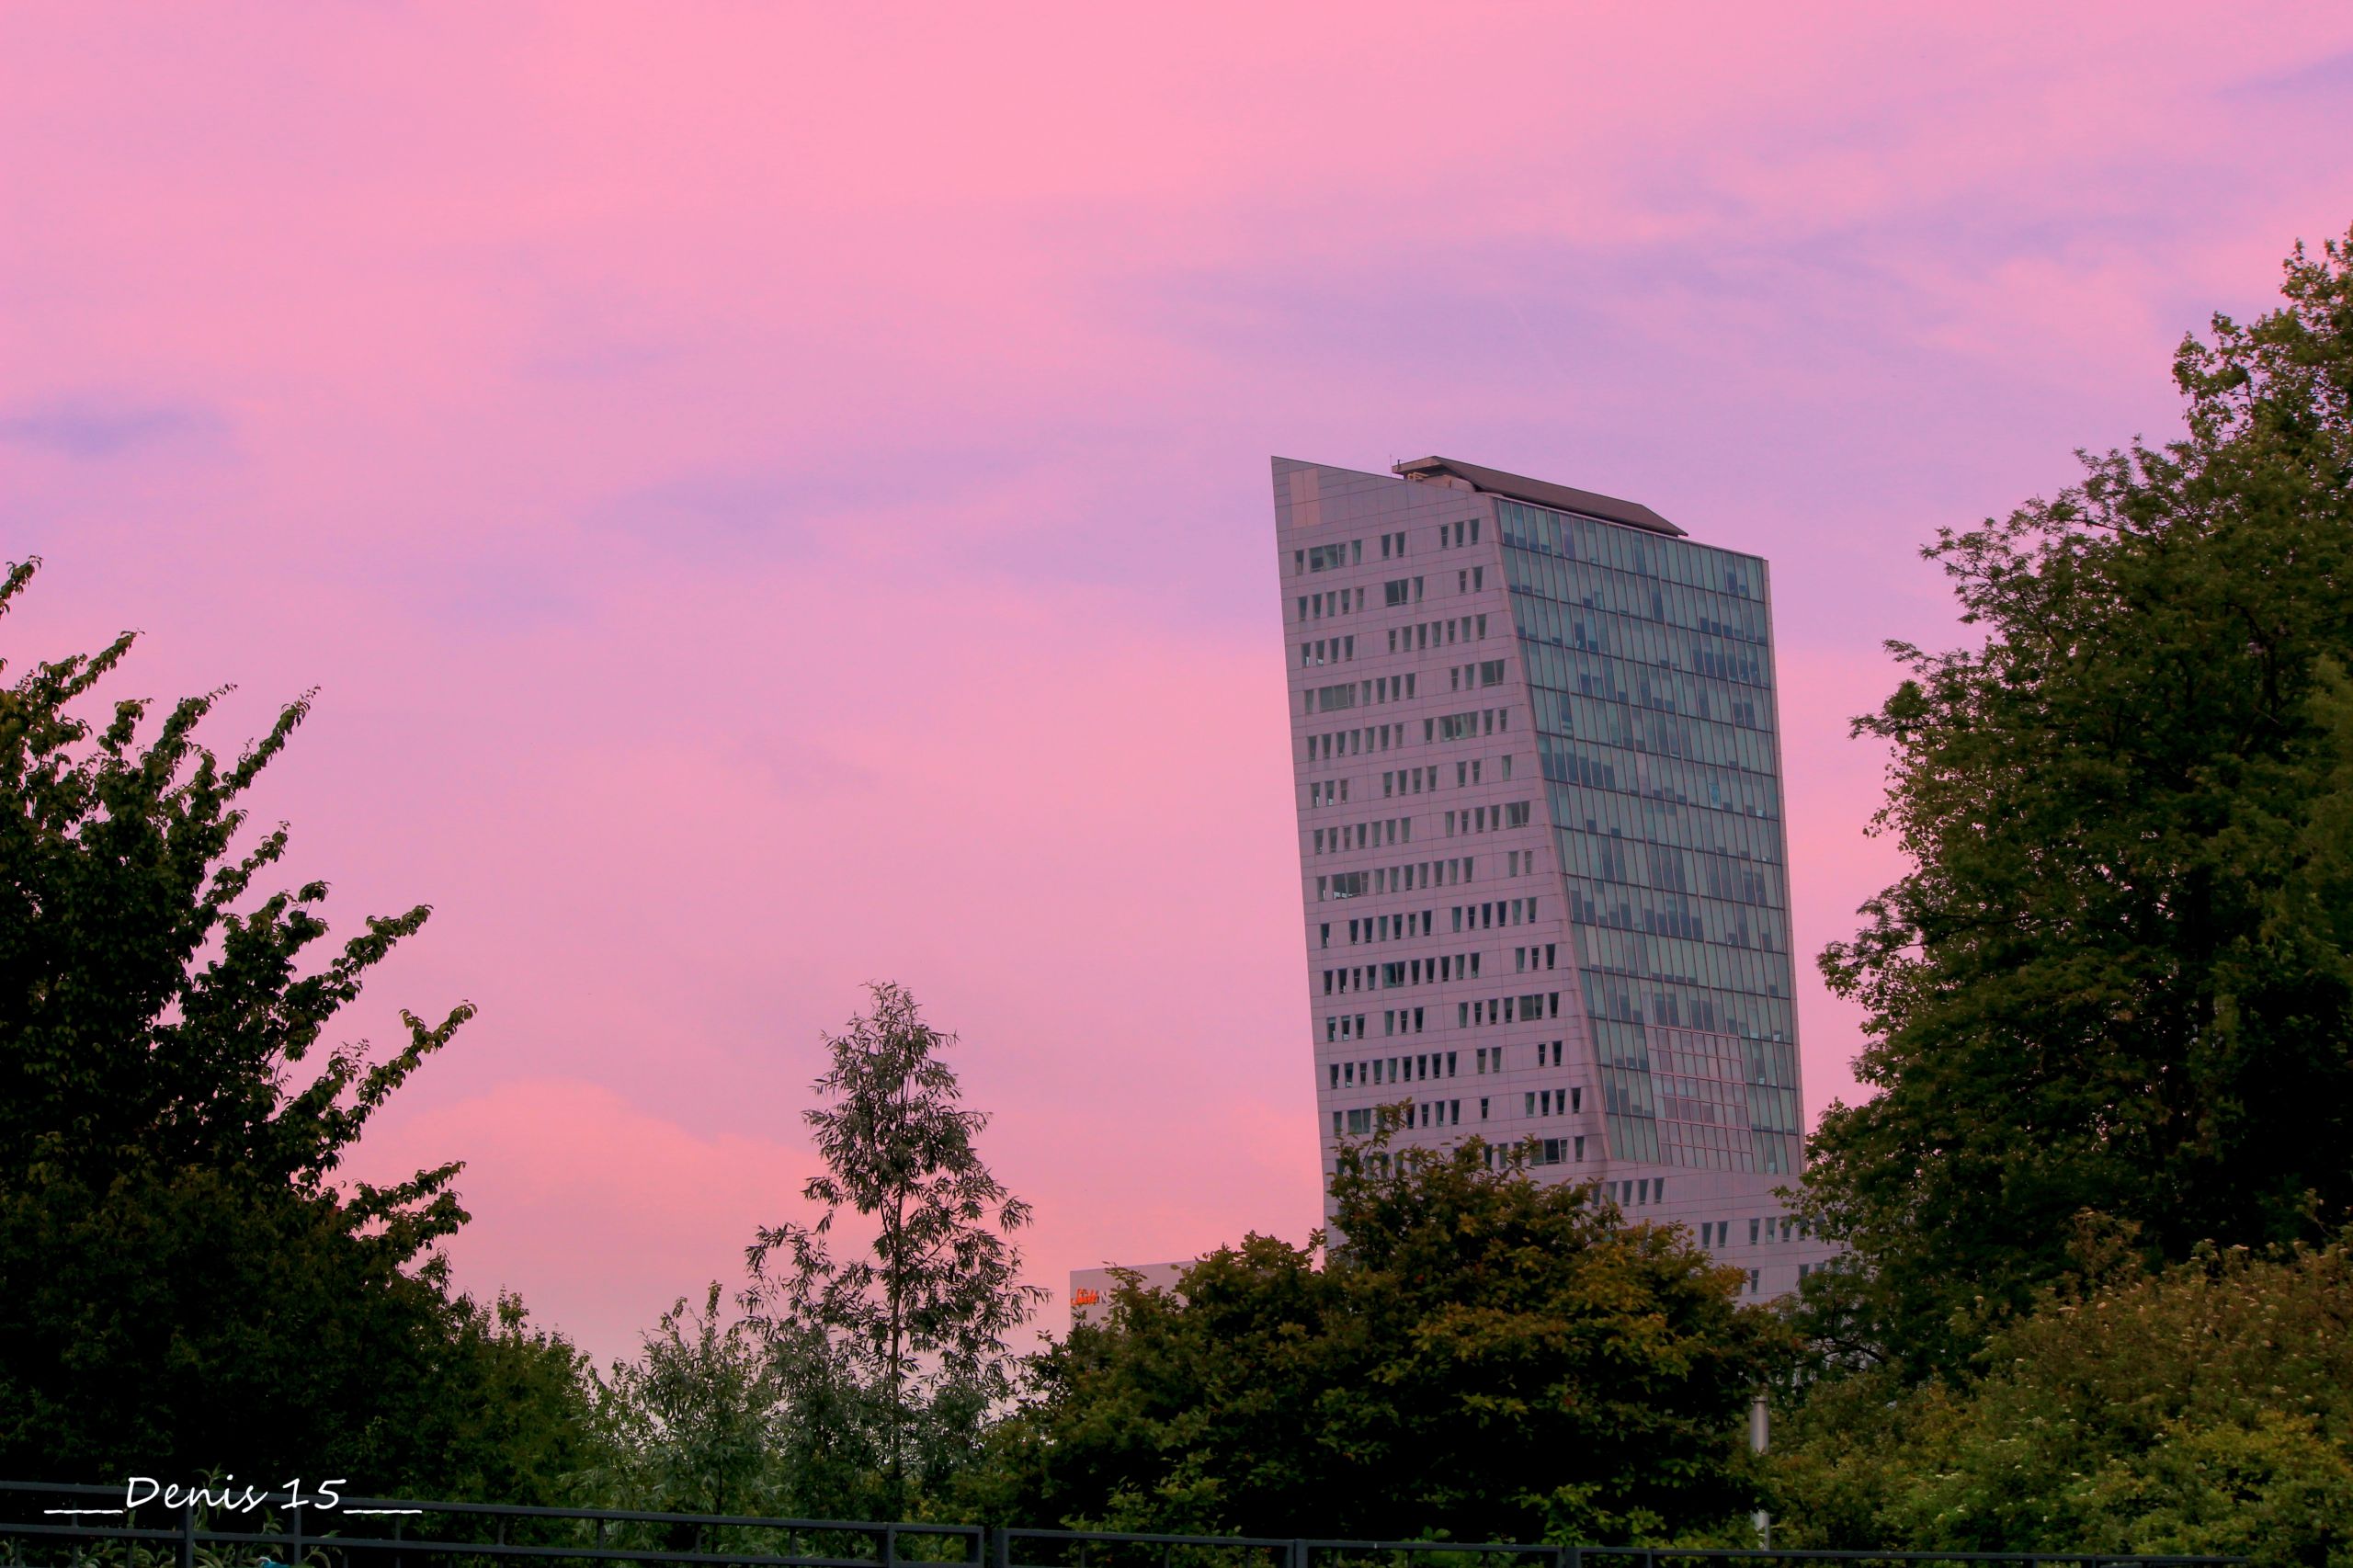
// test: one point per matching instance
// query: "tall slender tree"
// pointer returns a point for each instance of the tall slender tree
(920, 1320)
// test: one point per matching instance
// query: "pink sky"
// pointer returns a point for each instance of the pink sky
(774, 496)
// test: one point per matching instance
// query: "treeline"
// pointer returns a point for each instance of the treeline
(2095, 1297)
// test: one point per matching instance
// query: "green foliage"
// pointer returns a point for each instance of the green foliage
(902, 1348)
(2119, 978)
(2205, 1409)
(696, 1420)
(1486, 1359)
(188, 1284)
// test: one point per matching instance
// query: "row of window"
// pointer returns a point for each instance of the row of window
(1446, 967)
(1327, 650)
(1442, 1113)
(1507, 1009)
(1488, 819)
(1536, 1152)
(1331, 602)
(1598, 722)
(1677, 1005)
(1408, 780)
(1683, 960)
(1401, 591)
(1422, 971)
(1572, 584)
(1359, 693)
(1718, 1233)
(1508, 1156)
(1668, 869)
(1665, 822)
(1400, 830)
(1335, 743)
(1394, 878)
(1702, 693)
(1645, 1046)
(1363, 835)
(1706, 786)
(1392, 1070)
(1742, 712)
(1471, 677)
(1554, 1102)
(1466, 726)
(1547, 628)
(1487, 917)
(1530, 527)
(1490, 1058)
(1426, 634)
(1369, 1119)
(1327, 557)
(1419, 781)
(1380, 927)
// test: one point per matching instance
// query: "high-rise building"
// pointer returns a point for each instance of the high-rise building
(1541, 850)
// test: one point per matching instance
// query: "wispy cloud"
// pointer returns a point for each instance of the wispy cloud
(96, 427)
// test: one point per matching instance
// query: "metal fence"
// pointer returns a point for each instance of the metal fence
(1100, 1548)
(57, 1526)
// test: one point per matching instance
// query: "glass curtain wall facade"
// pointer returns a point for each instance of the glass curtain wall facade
(1650, 668)
(1541, 853)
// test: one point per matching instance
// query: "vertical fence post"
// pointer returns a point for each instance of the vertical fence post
(890, 1546)
(187, 1535)
(1000, 1548)
(294, 1552)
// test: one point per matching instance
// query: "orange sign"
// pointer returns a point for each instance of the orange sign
(1084, 1298)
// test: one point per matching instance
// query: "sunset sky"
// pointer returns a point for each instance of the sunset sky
(776, 496)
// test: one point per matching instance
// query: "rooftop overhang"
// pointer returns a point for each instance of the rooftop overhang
(1540, 493)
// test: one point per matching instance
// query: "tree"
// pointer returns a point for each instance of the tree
(2204, 1409)
(2117, 979)
(1487, 1359)
(910, 1338)
(189, 1284)
(695, 1423)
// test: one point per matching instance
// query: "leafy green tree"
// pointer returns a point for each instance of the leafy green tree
(1487, 1359)
(187, 1283)
(2117, 979)
(908, 1339)
(2205, 1409)
(697, 1418)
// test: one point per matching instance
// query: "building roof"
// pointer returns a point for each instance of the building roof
(1542, 492)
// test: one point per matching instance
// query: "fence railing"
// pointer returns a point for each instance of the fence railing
(61, 1526)
(1101, 1549)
